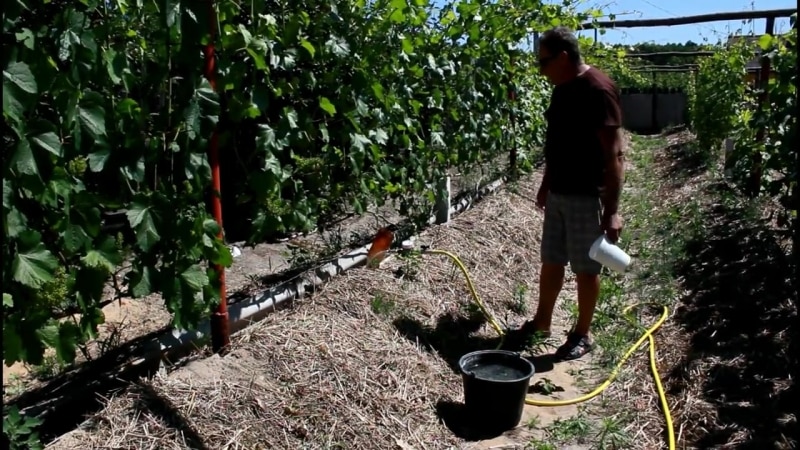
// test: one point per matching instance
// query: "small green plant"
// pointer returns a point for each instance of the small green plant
(538, 342)
(301, 256)
(411, 265)
(50, 367)
(15, 385)
(382, 306)
(572, 429)
(20, 430)
(546, 386)
(540, 445)
(534, 422)
(471, 310)
(519, 304)
(611, 434)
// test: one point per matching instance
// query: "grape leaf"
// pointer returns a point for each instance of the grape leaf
(24, 159)
(33, 266)
(141, 219)
(327, 106)
(49, 141)
(92, 117)
(195, 277)
(106, 256)
(20, 75)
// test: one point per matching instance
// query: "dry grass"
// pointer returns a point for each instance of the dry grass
(366, 363)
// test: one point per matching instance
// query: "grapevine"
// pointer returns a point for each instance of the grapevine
(724, 106)
(719, 97)
(320, 108)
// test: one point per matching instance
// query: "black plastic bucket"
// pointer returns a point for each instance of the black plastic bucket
(495, 387)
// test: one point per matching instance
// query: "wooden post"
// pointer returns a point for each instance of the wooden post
(443, 201)
(754, 183)
(690, 20)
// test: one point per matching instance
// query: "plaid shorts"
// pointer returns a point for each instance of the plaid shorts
(571, 225)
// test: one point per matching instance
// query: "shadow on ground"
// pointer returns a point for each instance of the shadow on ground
(453, 337)
(456, 418)
(741, 315)
(685, 161)
(151, 402)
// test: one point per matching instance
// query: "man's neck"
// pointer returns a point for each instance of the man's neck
(577, 71)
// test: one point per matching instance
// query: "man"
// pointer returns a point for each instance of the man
(582, 182)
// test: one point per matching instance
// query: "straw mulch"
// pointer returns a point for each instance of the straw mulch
(366, 363)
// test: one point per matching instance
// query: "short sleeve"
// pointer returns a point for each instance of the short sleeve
(606, 108)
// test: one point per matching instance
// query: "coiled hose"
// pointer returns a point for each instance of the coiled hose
(648, 335)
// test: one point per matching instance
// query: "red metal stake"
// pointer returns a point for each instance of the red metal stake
(220, 330)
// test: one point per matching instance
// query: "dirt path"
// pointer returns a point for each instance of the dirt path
(368, 361)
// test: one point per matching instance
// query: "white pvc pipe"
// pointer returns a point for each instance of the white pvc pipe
(242, 314)
(170, 345)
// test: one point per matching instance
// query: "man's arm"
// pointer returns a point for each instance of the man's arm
(608, 120)
(614, 168)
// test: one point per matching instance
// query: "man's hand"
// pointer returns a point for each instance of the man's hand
(612, 226)
(541, 197)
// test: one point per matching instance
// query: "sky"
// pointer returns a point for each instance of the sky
(657, 9)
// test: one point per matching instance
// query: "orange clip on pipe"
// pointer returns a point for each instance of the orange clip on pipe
(380, 245)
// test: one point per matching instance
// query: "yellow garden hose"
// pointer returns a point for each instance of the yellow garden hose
(648, 335)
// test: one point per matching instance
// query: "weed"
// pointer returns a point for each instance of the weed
(545, 386)
(519, 304)
(301, 257)
(540, 445)
(382, 305)
(114, 338)
(572, 429)
(20, 430)
(534, 422)
(611, 434)
(15, 386)
(537, 343)
(471, 311)
(50, 367)
(411, 265)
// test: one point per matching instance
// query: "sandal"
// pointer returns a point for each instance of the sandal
(576, 346)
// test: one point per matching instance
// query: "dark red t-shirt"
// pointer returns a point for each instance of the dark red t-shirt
(573, 154)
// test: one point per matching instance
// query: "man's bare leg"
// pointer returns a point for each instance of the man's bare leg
(588, 292)
(551, 280)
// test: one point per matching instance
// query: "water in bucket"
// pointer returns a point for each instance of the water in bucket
(498, 372)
